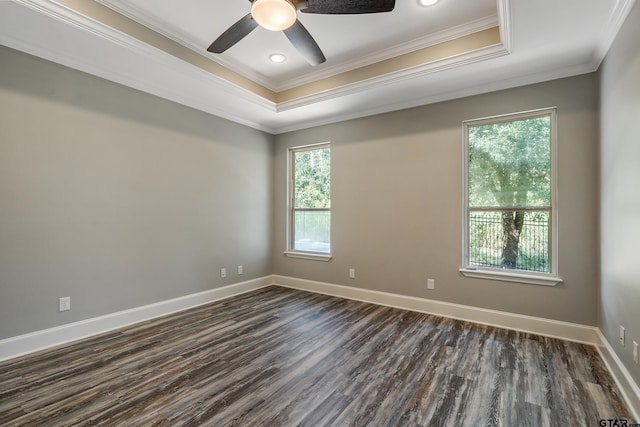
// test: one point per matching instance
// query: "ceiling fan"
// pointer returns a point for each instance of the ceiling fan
(281, 15)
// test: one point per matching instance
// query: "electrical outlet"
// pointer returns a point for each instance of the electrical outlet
(622, 335)
(352, 273)
(223, 272)
(635, 352)
(431, 284)
(240, 269)
(64, 304)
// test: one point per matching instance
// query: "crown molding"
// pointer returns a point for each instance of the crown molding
(169, 62)
(394, 51)
(408, 73)
(441, 97)
(131, 12)
(616, 19)
(504, 23)
(138, 65)
(157, 57)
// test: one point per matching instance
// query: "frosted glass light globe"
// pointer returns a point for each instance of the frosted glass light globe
(274, 15)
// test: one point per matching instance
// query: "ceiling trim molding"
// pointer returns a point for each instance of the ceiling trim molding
(107, 17)
(126, 79)
(204, 90)
(134, 14)
(442, 97)
(504, 23)
(71, 17)
(616, 19)
(394, 51)
(420, 43)
(200, 101)
(97, 28)
(454, 61)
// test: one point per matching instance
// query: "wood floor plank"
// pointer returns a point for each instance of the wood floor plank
(282, 357)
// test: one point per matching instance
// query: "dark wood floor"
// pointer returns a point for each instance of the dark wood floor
(279, 357)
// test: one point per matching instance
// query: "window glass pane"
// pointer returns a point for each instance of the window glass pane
(312, 230)
(525, 245)
(509, 163)
(312, 180)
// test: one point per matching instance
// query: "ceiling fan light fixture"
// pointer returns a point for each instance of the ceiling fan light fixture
(427, 2)
(274, 15)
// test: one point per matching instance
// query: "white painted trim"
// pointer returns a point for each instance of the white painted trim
(519, 276)
(517, 322)
(39, 340)
(393, 52)
(536, 325)
(529, 279)
(504, 23)
(75, 19)
(134, 13)
(627, 386)
(529, 79)
(263, 114)
(162, 91)
(616, 20)
(453, 61)
(211, 83)
(308, 255)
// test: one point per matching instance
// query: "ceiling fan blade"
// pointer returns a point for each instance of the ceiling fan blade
(233, 35)
(348, 7)
(304, 43)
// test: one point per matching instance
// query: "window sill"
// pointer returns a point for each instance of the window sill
(308, 255)
(531, 279)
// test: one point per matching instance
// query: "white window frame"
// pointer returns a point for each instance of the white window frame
(537, 278)
(290, 251)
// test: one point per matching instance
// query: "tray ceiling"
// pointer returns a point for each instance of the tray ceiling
(375, 63)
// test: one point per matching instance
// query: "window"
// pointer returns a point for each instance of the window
(310, 202)
(510, 216)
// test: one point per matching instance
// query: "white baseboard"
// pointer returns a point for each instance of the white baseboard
(536, 325)
(39, 340)
(502, 319)
(628, 387)
(28, 343)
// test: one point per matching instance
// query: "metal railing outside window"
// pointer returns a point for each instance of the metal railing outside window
(486, 240)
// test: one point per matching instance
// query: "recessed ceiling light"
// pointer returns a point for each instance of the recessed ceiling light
(277, 58)
(427, 2)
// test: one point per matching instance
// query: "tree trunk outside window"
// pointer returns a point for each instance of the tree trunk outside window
(512, 223)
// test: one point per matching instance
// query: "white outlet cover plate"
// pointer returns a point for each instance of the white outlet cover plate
(64, 304)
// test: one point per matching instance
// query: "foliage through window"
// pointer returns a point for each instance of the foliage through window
(310, 199)
(510, 193)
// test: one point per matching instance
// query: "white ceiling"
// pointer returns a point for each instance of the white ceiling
(540, 40)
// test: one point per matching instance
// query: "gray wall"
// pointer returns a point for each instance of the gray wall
(117, 198)
(121, 199)
(620, 191)
(397, 202)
